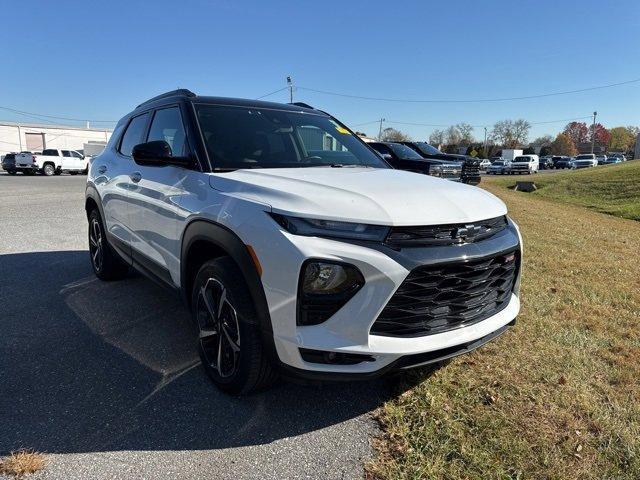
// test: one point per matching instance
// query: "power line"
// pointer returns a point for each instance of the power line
(272, 93)
(484, 100)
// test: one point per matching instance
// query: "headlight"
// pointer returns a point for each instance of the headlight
(329, 228)
(435, 170)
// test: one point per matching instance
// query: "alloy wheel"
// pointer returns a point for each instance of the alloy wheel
(96, 244)
(219, 330)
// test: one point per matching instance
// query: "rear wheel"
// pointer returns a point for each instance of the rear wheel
(106, 263)
(229, 337)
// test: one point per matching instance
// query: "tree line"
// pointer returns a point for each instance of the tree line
(515, 133)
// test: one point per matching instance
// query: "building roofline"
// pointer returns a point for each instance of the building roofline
(4, 123)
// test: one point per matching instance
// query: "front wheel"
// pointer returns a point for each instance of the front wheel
(11, 172)
(229, 337)
(48, 170)
(106, 263)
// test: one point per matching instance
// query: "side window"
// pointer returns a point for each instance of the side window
(134, 134)
(66, 153)
(382, 149)
(167, 126)
(75, 154)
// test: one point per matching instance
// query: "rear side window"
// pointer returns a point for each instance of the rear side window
(50, 152)
(134, 134)
(167, 126)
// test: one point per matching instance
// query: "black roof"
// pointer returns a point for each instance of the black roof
(237, 102)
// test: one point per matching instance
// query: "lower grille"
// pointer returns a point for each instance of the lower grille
(437, 298)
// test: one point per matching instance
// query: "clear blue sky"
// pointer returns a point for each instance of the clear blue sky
(98, 61)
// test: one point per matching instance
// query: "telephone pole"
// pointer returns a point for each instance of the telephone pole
(380, 131)
(593, 131)
(290, 85)
(486, 153)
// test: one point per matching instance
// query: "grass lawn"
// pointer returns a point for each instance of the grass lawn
(612, 189)
(558, 395)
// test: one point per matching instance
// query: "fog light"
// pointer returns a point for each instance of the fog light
(324, 288)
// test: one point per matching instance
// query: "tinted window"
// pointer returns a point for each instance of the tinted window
(239, 137)
(50, 152)
(66, 153)
(167, 126)
(428, 149)
(75, 154)
(380, 148)
(134, 134)
(402, 151)
(585, 157)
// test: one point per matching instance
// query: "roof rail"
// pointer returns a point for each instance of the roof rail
(181, 92)
(302, 104)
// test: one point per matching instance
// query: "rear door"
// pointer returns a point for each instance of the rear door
(155, 193)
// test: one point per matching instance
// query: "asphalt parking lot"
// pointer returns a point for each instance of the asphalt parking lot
(104, 377)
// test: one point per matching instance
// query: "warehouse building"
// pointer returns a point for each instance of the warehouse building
(33, 137)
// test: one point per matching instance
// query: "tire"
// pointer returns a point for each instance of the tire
(48, 169)
(106, 263)
(11, 172)
(58, 172)
(234, 360)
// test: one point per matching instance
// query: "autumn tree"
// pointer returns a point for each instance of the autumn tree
(578, 132)
(563, 145)
(599, 133)
(621, 139)
(436, 138)
(511, 133)
(392, 135)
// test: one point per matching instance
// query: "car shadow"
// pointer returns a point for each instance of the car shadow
(92, 366)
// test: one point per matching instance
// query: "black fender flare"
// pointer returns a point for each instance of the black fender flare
(234, 247)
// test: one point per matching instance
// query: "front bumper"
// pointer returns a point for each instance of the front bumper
(348, 330)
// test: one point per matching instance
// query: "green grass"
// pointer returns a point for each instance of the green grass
(611, 189)
(558, 395)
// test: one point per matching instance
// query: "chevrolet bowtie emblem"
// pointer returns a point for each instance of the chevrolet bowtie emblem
(468, 232)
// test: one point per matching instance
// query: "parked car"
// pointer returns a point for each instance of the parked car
(546, 163)
(9, 163)
(294, 245)
(561, 162)
(524, 164)
(612, 160)
(584, 160)
(499, 167)
(470, 165)
(403, 157)
(601, 159)
(484, 164)
(52, 162)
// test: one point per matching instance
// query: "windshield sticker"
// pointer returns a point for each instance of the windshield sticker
(343, 130)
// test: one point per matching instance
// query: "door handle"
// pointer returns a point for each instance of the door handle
(136, 177)
(102, 169)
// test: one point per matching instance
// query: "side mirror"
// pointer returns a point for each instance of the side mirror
(386, 156)
(157, 153)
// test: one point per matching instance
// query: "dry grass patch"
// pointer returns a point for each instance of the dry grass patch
(22, 463)
(556, 397)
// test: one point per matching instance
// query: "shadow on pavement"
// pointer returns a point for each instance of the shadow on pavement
(92, 366)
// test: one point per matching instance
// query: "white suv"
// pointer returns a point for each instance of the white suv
(296, 247)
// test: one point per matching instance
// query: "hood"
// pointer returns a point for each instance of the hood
(366, 195)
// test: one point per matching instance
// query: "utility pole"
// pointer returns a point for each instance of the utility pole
(290, 85)
(593, 131)
(380, 131)
(486, 153)
(19, 137)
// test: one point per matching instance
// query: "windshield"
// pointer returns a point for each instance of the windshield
(428, 149)
(499, 163)
(584, 157)
(522, 160)
(404, 152)
(245, 137)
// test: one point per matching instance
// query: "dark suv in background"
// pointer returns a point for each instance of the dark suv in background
(470, 165)
(403, 157)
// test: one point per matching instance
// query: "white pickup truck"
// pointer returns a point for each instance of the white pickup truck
(51, 162)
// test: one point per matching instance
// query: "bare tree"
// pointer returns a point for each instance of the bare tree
(543, 141)
(392, 135)
(436, 138)
(466, 133)
(452, 135)
(511, 133)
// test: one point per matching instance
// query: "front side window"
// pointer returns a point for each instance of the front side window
(167, 126)
(404, 152)
(66, 153)
(245, 137)
(75, 154)
(134, 134)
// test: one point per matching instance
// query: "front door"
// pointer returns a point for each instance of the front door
(154, 198)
